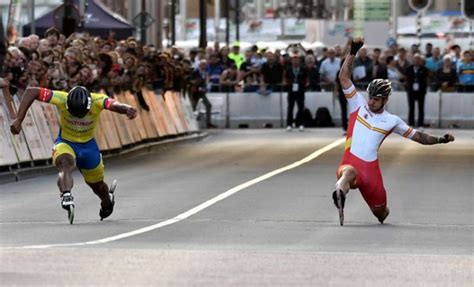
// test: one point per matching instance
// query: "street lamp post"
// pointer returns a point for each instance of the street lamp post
(202, 24)
(237, 16)
(173, 22)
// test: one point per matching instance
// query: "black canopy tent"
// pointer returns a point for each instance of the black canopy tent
(98, 21)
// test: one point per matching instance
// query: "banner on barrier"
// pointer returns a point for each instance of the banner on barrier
(158, 117)
(35, 145)
(130, 125)
(42, 126)
(100, 135)
(19, 142)
(51, 114)
(193, 125)
(170, 105)
(8, 100)
(138, 121)
(168, 118)
(147, 118)
(7, 150)
(108, 129)
(181, 111)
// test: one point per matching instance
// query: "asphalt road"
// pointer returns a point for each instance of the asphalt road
(201, 214)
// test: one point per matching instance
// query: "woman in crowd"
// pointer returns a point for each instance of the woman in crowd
(446, 77)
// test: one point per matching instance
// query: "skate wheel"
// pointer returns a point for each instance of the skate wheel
(70, 214)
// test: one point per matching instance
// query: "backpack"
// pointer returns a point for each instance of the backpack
(307, 118)
(323, 118)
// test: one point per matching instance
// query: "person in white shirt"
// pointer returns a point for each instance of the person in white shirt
(369, 125)
(329, 68)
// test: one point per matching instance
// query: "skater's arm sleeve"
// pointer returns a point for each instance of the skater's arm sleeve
(354, 98)
(102, 101)
(57, 98)
(403, 129)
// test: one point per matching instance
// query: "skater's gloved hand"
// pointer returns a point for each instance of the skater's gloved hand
(15, 127)
(446, 138)
(356, 44)
(131, 113)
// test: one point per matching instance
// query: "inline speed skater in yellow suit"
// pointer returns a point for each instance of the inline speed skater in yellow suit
(75, 146)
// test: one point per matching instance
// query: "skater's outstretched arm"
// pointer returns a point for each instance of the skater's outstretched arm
(346, 70)
(28, 98)
(125, 109)
(427, 139)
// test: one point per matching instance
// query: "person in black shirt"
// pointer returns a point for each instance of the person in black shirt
(312, 68)
(272, 73)
(416, 86)
(446, 76)
(296, 81)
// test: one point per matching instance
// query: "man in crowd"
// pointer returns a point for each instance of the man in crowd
(465, 72)
(199, 80)
(416, 87)
(235, 55)
(328, 70)
(296, 81)
(271, 73)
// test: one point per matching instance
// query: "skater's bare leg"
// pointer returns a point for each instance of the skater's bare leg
(347, 179)
(102, 191)
(65, 163)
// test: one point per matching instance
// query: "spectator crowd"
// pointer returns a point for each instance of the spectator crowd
(57, 62)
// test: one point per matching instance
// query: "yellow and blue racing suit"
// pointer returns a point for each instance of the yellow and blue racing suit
(76, 135)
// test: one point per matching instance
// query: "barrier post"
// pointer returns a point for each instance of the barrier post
(440, 102)
(9, 102)
(281, 108)
(227, 110)
(334, 95)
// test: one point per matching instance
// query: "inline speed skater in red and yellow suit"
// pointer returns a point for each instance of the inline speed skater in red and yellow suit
(75, 146)
(369, 125)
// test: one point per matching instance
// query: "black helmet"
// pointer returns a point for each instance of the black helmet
(379, 88)
(78, 102)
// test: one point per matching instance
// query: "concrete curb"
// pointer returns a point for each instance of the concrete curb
(31, 172)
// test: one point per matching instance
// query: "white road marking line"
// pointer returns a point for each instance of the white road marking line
(200, 207)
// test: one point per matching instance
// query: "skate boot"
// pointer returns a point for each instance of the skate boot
(381, 219)
(106, 212)
(339, 200)
(67, 203)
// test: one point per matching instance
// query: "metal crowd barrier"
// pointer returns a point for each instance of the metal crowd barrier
(256, 110)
